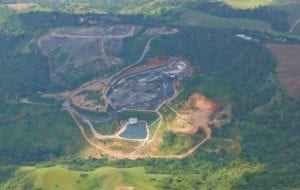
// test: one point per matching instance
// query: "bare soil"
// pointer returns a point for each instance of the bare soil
(83, 102)
(91, 152)
(125, 188)
(124, 146)
(20, 6)
(58, 96)
(194, 115)
(151, 63)
(288, 68)
(82, 51)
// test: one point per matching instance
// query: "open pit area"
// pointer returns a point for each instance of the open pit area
(75, 53)
(140, 102)
(146, 90)
(127, 114)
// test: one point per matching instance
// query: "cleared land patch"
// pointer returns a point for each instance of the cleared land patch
(76, 53)
(242, 4)
(22, 6)
(193, 115)
(288, 68)
(196, 18)
(150, 64)
(91, 100)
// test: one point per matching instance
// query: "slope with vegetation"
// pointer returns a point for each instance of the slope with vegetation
(258, 149)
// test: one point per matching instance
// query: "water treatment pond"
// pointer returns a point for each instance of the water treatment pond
(135, 131)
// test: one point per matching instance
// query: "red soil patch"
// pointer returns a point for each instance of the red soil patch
(288, 68)
(21, 6)
(151, 63)
(194, 114)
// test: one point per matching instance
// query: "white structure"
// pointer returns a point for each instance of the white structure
(132, 120)
(245, 37)
(181, 65)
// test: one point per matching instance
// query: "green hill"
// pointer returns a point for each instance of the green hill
(257, 149)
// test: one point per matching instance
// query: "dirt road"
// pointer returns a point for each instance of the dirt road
(130, 33)
(100, 146)
(294, 25)
(177, 156)
(96, 145)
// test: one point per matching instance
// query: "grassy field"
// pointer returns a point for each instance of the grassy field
(148, 116)
(153, 7)
(195, 18)
(245, 4)
(61, 178)
(26, 7)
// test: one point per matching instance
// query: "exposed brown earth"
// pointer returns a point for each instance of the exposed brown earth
(90, 152)
(124, 146)
(82, 102)
(21, 6)
(113, 151)
(288, 68)
(125, 188)
(194, 115)
(151, 63)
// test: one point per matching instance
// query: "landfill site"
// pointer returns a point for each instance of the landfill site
(148, 89)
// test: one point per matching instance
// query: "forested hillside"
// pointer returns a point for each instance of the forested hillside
(276, 17)
(258, 149)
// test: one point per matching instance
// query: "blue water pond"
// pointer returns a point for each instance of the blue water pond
(136, 131)
(170, 89)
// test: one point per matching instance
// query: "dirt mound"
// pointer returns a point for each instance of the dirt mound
(21, 6)
(194, 114)
(288, 67)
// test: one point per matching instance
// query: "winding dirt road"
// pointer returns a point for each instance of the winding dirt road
(102, 147)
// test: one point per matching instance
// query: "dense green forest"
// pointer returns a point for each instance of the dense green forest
(277, 18)
(33, 133)
(265, 120)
